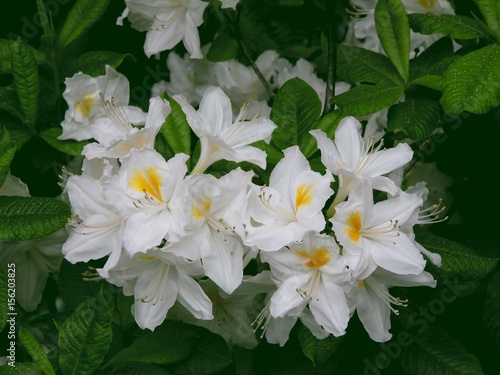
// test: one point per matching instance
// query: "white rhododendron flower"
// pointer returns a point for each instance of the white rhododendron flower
(290, 206)
(222, 138)
(374, 232)
(86, 96)
(167, 22)
(116, 136)
(229, 4)
(355, 159)
(311, 272)
(156, 280)
(373, 303)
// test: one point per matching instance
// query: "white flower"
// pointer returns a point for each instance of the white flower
(14, 186)
(216, 225)
(97, 228)
(167, 22)
(156, 280)
(154, 192)
(373, 302)
(229, 4)
(374, 232)
(34, 260)
(311, 272)
(188, 77)
(115, 134)
(355, 159)
(220, 137)
(86, 95)
(290, 206)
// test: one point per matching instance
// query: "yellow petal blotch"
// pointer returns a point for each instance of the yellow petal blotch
(303, 195)
(317, 257)
(84, 107)
(353, 226)
(428, 4)
(148, 181)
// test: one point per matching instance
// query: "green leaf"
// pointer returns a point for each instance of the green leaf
(296, 110)
(69, 147)
(456, 27)
(72, 286)
(330, 122)
(430, 81)
(10, 103)
(94, 63)
(19, 134)
(223, 48)
(417, 118)
(44, 18)
(318, 351)
(36, 351)
(176, 129)
(29, 218)
(472, 83)
(6, 59)
(169, 343)
(141, 369)
(25, 73)
(458, 262)
(364, 100)
(21, 369)
(7, 151)
(432, 57)
(393, 30)
(273, 154)
(210, 356)
(359, 65)
(491, 312)
(436, 352)
(490, 9)
(83, 15)
(85, 337)
(4, 298)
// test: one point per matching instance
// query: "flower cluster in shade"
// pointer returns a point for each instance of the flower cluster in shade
(179, 238)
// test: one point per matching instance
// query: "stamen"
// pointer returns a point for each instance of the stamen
(157, 284)
(91, 275)
(430, 215)
(384, 294)
(267, 203)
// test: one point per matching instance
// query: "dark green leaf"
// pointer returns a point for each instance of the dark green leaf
(19, 133)
(491, 314)
(223, 48)
(5, 56)
(490, 10)
(359, 65)
(4, 298)
(25, 72)
(424, 63)
(273, 155)
(29, 218)
(330, 122)
(364, 100)
(417, 118)
(430, 81)
(69, 147)
(393, 30)
(472, 83)
(81, 17)
(9, 101)
(456, 27)
(210, 356)
(44, 18)
(36, 351)
(438, 353)
(94, 63)
(169, 343)
(21, 369)
(7, 151)
(458, 262)
(140, 369)
(85, 337)
(176, 129)
(296, 110)
(318, 351)
(72, 286)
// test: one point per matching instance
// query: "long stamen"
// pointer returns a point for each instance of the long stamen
(430, 215)
(267, 203)
(262, 320)
(152, 293)
(386, 296)
(309, 291)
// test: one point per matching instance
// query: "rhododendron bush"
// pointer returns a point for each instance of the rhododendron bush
(250, 187)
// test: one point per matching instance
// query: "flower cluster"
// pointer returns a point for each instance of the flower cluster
(179, 239)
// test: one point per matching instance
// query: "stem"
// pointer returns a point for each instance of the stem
(331, 58)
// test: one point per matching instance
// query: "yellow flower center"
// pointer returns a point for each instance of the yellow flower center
(353, 226)
(427, 4)
(199, 212)
(148, 181)
(84, 107)
(303, 195)
(317, 257)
